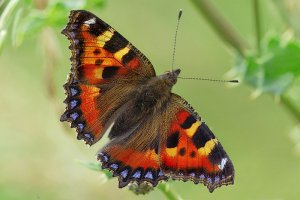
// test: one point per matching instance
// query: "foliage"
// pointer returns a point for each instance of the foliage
(274, 65)
(276, 68)
(30, 16)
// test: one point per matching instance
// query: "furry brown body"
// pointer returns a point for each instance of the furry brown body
(151, 97)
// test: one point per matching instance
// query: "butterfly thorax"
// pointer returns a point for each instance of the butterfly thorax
(156, 91)
(150, 97)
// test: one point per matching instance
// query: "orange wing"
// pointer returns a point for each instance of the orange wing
(102, 61)
(190, 150)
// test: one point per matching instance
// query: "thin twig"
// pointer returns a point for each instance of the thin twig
(291, 107)
(257, 23)
(287, 11)
(221, 26)
(283, 11)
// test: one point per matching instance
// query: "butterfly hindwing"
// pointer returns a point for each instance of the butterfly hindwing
(190, 150)
(133, 157)
(171, 143)
(106, 69)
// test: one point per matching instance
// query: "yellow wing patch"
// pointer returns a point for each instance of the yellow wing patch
(104, 37)
(208, 147)
(171, 151)
(192, 130)
(119, 54)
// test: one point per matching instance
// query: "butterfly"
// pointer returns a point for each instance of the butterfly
(154, 134)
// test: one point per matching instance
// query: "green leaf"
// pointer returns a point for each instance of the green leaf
(276, 68)
(14, 35)
(95, 4)
(71, 4)
(54, 16)
(30, 25)
(27, 2)
(5, 20)
(96, 167)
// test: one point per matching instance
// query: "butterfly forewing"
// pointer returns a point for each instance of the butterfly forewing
(102, 61)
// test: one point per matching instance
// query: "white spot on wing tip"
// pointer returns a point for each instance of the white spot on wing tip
(90, 21)
(223, 163)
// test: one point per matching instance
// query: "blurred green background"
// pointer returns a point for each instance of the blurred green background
(38, 154)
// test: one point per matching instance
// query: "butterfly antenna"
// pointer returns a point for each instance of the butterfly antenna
(175, 38)
(209, 79)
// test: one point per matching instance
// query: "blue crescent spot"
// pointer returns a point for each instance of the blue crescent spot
(209, 180)
(74, 116)
(137, 174)
(114, 166)
(160, 173)
(73, 103)
(73, 35)
(124, 173)
(80, 126)
(74, 91)
(202, 176)
(149, 175)
(105, 158)
(217, 179)
(192, 174)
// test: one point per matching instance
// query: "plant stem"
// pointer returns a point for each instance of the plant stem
(283, 12)
(288, 12)
(169, 194)
(291, 107)
(221, 26)
(5, 19)
(257, 23)
(7, 12)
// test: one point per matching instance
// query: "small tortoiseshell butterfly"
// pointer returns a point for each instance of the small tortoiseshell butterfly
(154, 134)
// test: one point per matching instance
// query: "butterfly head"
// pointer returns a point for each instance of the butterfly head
(171, 76)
